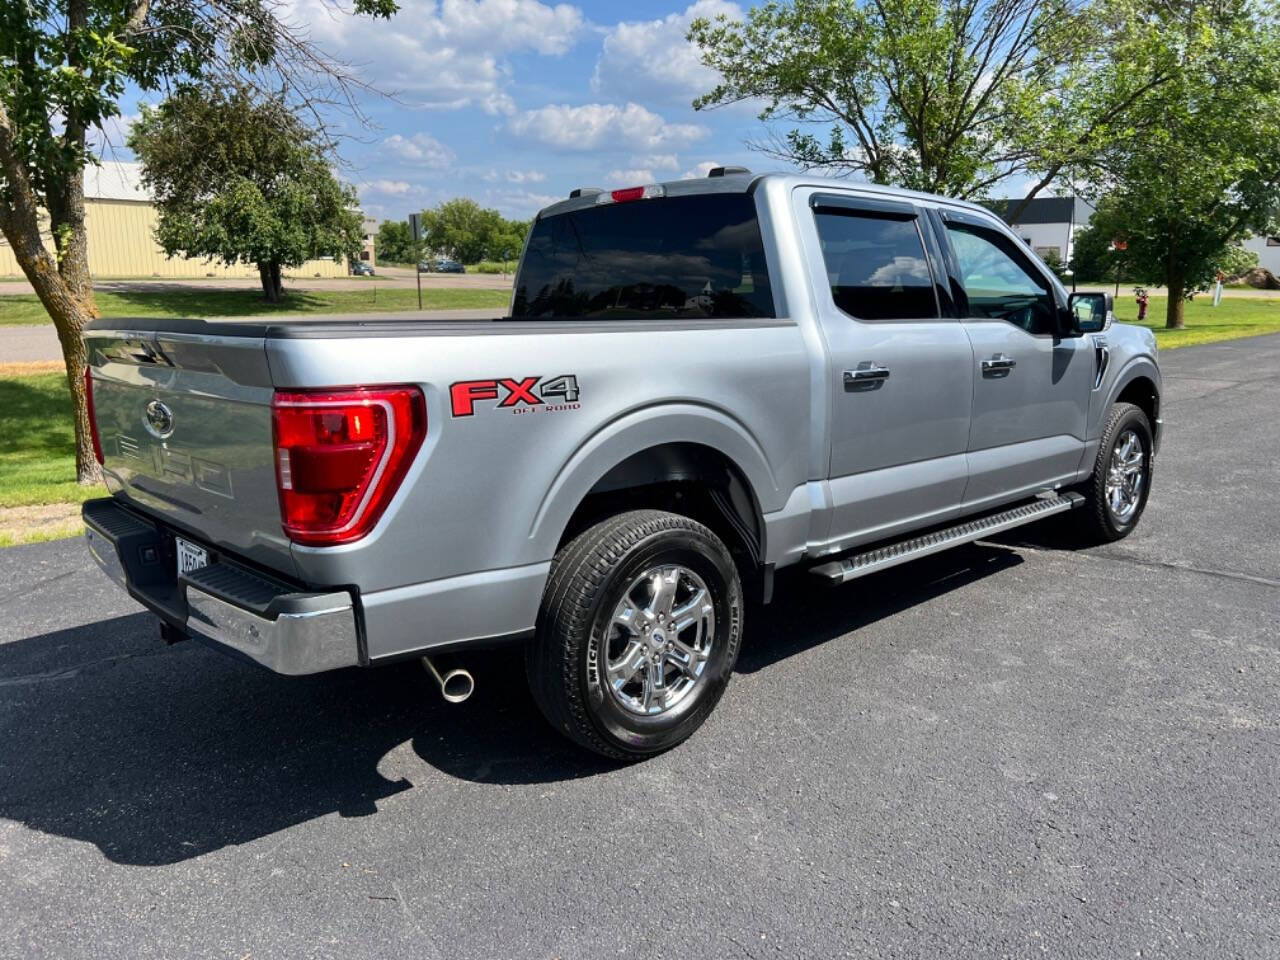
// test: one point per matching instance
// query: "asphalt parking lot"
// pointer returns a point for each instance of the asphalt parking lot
(1011, 750)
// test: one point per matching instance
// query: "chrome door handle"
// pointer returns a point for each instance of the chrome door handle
(998, 362)
(866, 373)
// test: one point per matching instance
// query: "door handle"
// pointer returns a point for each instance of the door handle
(998, 363)
(866, 373)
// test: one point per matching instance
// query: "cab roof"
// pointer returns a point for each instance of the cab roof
(748, 182)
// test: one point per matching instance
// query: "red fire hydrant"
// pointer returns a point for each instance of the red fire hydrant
(1142, 299)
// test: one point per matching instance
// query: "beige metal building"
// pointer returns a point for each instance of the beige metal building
(120, 219)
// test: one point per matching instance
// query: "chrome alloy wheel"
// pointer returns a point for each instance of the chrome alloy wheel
(658, 640)
(1125, 476)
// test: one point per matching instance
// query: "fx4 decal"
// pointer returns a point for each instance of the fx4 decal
(519, 395)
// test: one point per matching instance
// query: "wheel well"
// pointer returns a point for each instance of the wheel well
(1141, 392)
(686, 478)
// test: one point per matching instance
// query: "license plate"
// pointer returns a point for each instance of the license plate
(190, 556)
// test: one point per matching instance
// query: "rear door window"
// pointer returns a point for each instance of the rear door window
(876, 265)
(697, 257)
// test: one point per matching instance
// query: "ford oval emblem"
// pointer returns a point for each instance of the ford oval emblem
(159, 419)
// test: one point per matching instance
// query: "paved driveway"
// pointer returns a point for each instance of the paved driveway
(1008, 750)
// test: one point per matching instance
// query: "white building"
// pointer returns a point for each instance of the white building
(1048, 223)
(1268, 251)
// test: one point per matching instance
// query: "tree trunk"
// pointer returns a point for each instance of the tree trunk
(1177, 285)
(69, 307)
(69, 315)
(1173, 312)
(66, 220)
(272, 285)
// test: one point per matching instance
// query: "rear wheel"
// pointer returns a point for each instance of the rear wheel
(638, 633)
(1117, 492)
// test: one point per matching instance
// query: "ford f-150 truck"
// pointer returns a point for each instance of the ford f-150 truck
(698, 383)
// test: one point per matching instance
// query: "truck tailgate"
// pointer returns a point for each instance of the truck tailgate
(185, 424)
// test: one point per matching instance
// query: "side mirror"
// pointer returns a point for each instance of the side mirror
(1088, 312)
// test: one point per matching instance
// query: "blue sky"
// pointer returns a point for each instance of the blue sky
(516, 102)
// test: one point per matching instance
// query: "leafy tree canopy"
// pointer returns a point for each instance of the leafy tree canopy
(64, 65)
(468, 232)
(947, 96)
(394, 242)
(1207, 172)
(238, 177)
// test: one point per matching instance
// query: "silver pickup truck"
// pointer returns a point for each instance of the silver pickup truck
(697, 383)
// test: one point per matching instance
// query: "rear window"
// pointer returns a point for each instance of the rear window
(697, 256)
(876, 266)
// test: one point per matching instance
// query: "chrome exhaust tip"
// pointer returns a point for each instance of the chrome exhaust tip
(455, 686)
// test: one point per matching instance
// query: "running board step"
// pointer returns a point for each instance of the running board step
(882, 558)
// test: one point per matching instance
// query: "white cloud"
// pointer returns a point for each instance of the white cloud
(630, 176)
(526, 176)
(521, 204)
(595, 125)
(442, 55)
(654, 56)
(389, 188)
(700, 171)
(421, 149)
(657, 161)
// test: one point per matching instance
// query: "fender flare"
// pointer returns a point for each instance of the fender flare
(1140, 366)
(640, 429)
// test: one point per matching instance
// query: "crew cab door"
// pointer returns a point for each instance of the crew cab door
(1031, 385)
(901, 370)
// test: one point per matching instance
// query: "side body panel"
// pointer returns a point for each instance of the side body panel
(491, 493)
(1028, 426)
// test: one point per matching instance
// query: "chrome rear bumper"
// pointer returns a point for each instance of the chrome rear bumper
(267, 621)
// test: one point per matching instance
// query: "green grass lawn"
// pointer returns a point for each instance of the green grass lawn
(26, 308)
(37, 442)
(1234, 317)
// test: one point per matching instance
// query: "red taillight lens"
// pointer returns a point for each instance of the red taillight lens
(340, 457)
(93, 419)
(627, 194)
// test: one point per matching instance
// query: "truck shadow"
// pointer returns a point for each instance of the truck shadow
(158, 755)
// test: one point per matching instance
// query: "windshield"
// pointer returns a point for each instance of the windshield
(696, 256)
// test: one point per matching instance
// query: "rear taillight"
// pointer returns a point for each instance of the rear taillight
(340, 457)
(93, 420)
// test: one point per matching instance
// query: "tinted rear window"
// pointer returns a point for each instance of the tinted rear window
(694, 256)
(876, 266)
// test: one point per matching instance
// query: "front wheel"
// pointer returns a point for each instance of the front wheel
(1116, 494)
(638, 633)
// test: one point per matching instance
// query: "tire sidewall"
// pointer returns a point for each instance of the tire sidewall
(709, 560)
(1133, 419)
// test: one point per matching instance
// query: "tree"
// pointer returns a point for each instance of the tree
(64, 65)
(468, 232)
(394, 242)
(1208, 172)
(239, 178)
(946, 96)
(1093, 258)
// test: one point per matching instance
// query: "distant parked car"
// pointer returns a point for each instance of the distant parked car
(426, 266)
(445, 265)
(361, 269)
